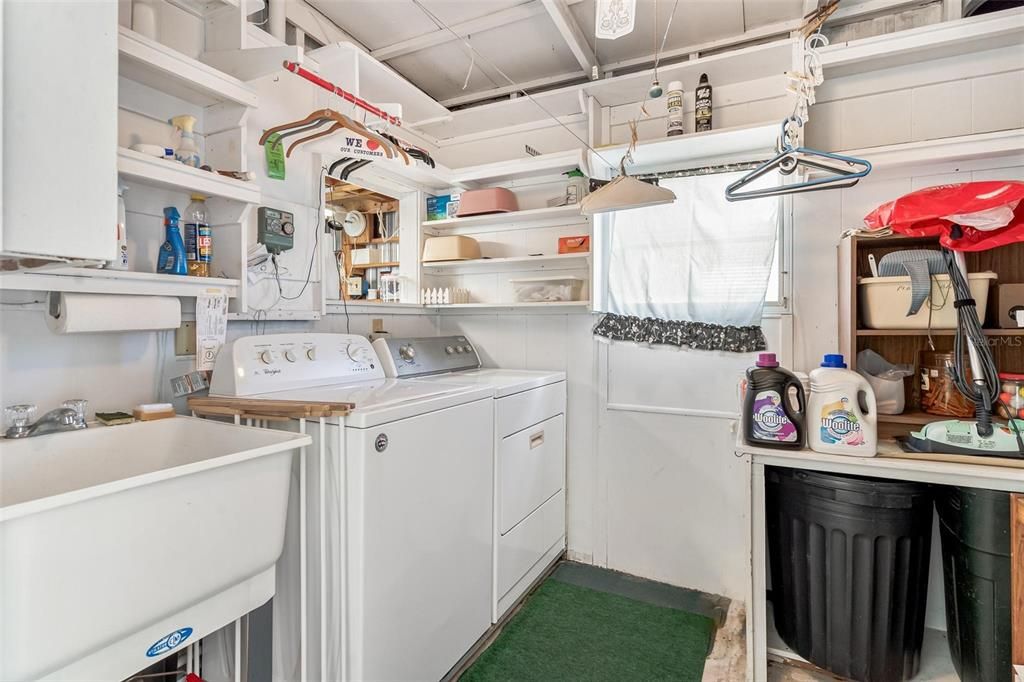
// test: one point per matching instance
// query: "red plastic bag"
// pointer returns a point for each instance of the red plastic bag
(933, 211)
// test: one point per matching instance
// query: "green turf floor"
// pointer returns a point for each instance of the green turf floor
(568, 632)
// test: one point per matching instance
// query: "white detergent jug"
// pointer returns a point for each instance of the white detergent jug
(837, 424)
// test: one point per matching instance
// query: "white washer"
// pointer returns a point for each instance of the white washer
(390, 512)
(529, 452)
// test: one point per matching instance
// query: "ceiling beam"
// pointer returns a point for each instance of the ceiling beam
(573, 36)
(463, 29)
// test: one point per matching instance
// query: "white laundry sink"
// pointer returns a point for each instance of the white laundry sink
(120, 544)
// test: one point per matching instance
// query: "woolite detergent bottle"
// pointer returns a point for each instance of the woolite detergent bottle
(841, 414)
(770, 418)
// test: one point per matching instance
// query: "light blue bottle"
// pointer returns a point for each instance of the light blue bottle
(171, 260)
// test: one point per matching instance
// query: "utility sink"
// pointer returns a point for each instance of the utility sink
(120, 544)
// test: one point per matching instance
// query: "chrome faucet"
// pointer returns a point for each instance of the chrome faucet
(70, 417)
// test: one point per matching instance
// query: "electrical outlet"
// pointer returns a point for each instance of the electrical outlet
(378, 325)
(185, 339)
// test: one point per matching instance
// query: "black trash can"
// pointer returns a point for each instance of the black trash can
(849, 570)
(975, 528)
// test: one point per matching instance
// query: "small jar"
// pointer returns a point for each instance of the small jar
(1011, 396)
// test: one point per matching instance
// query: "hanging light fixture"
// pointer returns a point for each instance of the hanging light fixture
(614, 18)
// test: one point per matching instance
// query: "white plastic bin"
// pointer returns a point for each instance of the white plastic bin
(547, 289)
(884, 302)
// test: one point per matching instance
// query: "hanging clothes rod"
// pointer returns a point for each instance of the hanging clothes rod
(344, 94)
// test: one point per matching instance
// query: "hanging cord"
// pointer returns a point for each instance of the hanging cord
(969, 330)
(445, 27)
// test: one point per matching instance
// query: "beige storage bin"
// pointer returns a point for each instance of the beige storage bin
(454, 247)
(884, 302)
(547, 289)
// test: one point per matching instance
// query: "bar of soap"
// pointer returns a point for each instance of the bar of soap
(145, 413)
(114, 418)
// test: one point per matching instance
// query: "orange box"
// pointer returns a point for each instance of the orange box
(579, 244)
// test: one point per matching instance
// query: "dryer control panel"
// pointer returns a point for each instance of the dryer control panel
(426, 355)
(276, 362)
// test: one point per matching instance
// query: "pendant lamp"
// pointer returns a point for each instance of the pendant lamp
(624, 193)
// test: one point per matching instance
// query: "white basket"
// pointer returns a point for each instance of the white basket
(547, 289)
(885, 301)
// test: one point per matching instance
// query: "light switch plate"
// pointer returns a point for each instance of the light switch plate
(185, 339)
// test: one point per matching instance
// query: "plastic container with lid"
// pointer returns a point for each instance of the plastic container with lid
(885, 301)
(770, 417)
(842, 417)
(1011, 395)
(547, 289)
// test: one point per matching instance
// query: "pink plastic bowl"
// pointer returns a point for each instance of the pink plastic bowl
(491, 200)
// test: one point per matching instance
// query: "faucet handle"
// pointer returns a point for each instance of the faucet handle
(19, 416)
(78, 405)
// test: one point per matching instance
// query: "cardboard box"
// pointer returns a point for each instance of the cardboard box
(443, 206)
(580, 244)
(1009, 299)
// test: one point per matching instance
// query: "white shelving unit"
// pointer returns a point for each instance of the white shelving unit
(924, 44)
(162, 68)
(742, 143)
(1000, 144)
(101, 281)
(149, 170)
(539, 306)
(507, 219)
(560, 261)
(516, 169)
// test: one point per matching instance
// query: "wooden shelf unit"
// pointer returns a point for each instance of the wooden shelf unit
(904, 345)
(345, 196)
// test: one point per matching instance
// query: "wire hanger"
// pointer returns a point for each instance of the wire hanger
(846, 173)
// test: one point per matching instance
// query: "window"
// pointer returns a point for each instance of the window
(699, 259)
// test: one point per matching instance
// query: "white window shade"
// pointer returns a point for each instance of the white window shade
(699, 259)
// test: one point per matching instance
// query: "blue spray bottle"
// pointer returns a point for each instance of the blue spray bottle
(171, 260)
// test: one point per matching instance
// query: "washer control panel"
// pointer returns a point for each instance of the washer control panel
(275, 362)
(426, 355)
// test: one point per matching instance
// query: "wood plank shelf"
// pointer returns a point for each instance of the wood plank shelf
(912, 417)
(934, 332)
(545, 304)
(370, 266)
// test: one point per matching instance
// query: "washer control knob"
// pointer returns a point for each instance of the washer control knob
(458, 349)
(289, 355)
(449, 350)
(407, 353)
(311, 353)
(267, 358)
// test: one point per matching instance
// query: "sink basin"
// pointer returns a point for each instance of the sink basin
(120, 544)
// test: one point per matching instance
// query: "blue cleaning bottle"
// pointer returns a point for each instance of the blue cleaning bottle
(171, 260)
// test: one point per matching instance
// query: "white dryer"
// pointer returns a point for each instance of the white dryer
(529, 452)
(386, 571)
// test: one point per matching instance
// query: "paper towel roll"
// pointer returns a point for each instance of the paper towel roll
(80, 313)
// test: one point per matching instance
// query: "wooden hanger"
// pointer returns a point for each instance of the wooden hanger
(342, 121)
(320, 115)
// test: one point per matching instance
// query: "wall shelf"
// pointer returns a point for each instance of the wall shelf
(950, 149)
(100, 281)
(562, 260)
(149, 170)
(924, 44)
(934, 332)
(167, 70)
(204, 8)
(547, 304)
(741, 143)
(506, 171)
(571, 213)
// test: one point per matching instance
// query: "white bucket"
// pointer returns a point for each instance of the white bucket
(885, 301)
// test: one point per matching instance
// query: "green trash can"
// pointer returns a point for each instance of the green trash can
(975, 529)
